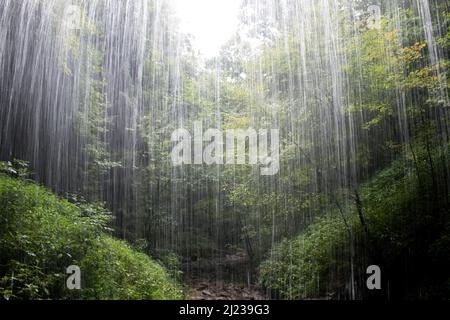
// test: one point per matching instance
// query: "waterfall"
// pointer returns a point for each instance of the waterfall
(91, 91)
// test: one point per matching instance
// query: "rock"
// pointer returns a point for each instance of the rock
(207, 293)
(202, 286)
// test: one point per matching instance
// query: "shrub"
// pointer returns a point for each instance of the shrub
(408, 225)
(41, 235)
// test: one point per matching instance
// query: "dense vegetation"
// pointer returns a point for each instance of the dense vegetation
(399, 222)
(41, 235)
(364, 123)
(396, 213)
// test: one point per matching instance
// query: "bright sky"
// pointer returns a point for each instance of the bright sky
(211, 22)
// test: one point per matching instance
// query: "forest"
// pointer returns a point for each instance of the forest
(314, 145)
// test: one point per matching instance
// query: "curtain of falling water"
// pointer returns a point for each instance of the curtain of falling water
(320, 84)
(92, 108)
(72, 92)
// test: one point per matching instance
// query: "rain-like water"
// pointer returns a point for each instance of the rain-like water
(92, 90)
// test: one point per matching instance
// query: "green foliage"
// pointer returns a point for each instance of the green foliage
(117, 272)
(299, 268)
(401, 212)
(41, 235)
(346, 104)
(16, 168)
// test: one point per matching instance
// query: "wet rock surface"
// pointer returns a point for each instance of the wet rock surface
(201, 289)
